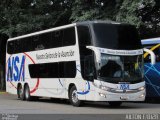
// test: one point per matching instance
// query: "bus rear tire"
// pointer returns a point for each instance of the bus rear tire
(20, 93)
(115, 103)
(73, 97)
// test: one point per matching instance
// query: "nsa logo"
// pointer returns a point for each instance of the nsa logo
(124, 86)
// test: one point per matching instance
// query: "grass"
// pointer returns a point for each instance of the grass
(2, 92)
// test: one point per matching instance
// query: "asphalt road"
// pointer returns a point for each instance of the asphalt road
(60, 109)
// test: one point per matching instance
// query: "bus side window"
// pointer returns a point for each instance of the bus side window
(56, 39)
(86, 55)
(45, 40)
(89, 70)
(87, 65)
(84, 35)
(29, 43)
(67, 69)
(36, 43)
(45, 70)
(53, 70)
(69, 36)
(10, 48)
(16, 46)
(19, 46)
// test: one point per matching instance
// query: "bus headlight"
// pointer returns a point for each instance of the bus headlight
(102, 95)
(141, 88)
(104, 88)
(142, 96)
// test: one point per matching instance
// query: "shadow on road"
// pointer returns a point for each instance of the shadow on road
(100, 105)
(105, 105)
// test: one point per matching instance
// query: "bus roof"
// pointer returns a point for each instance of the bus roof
(151, 41)
(62, 27)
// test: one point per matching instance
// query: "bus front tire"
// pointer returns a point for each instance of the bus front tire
(73, 97)
(115, 103)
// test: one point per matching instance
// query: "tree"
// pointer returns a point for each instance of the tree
(128, 12)
(83, 10)
(144, 14)
(20, 17)
(149, 13)
(25, 16)
(3, 41)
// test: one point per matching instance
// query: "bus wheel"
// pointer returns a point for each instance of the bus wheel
(20, 92)
(27, 93)
(115, 103)
(73, 97)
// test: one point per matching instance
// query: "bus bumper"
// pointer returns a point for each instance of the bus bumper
(107, 96)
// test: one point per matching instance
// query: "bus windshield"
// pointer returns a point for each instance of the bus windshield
(117, 69)
(120, 37)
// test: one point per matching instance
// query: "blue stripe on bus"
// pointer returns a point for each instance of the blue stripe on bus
(88, 86)
(60, 82)
(85, 92)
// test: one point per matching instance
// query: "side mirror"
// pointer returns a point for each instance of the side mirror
(97, 54)
(153, 58)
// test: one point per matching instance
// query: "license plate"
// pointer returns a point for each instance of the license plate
(124, 98)
(124, 86)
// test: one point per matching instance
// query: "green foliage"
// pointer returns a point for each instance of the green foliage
(83, 10)
(25, 16)
(18, 17)
(128, 12)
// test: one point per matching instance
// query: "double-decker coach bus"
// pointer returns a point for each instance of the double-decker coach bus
(85, 61)
(152, 72)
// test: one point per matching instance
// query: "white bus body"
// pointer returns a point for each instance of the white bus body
(34, 70)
